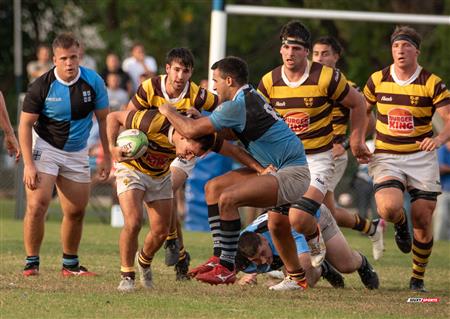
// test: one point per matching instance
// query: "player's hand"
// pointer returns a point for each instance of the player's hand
(117, 154)
(337, 150)
(361, 152)
(268, 170)
(166, 109)
(194, 113)
(12, 146)
(31, 177)
(429, 144)
(104, 169)
(248, 279)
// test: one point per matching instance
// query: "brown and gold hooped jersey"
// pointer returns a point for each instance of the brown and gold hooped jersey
(160, 152)
(150, 95)
(307, 109)
(341, 117)
(404, 112)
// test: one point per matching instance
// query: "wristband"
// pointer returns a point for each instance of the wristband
(346, 143)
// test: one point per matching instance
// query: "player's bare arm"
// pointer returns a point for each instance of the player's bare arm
(431, 143)
(188, 127)
(114, 121)
(358, 118)
(30, 173)
(105, 167)
(241, 155)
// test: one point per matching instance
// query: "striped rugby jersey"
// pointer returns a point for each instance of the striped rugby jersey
(307, 107)
(152, 94)
(341, 118)
(404, 112)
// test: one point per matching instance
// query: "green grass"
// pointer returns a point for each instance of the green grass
(50, 296)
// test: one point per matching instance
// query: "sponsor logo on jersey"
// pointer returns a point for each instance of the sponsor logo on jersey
(53, 99)
(386, 98)
(280, 104)
(87, 96)
(298, 122)
(414, 100)
(400, 121)
(309, 101)
(157, 160)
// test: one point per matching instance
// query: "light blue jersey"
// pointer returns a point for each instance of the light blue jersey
(264, 134)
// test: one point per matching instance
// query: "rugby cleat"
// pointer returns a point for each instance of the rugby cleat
(172, 252)
(182, 267)
(126, 285)
(330, 274)
(30, 270)
(205, 267)
(289, 284)
(145, 274)
(78, 271)
(317, 249)
(377, 238)
(218, 275)
(417, 285)
(368, 275)
(403, 237)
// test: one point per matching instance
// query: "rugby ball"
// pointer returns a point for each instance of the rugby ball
(133, 143)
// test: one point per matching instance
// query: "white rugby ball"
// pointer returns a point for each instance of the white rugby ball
(133, 143)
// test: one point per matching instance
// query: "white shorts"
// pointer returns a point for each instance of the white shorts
(340, 164)
(417, 170)
(53, 161)
(128, 178)
(185, 165)
(321, 166)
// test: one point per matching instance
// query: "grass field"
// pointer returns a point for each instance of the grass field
(50, 296)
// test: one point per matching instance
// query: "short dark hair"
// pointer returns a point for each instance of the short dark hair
(181, 55)
(248, 244)
(332, 42)
(209, 142)
(404, 32)
(296, 29)
(65, 41)
(233, 67)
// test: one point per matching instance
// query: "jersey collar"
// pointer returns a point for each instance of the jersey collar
(166, 96)
(64, 82)
(406, 82)
(242, 88)
(301, 80)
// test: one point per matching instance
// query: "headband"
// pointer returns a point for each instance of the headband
(295, 41)
(405, 37)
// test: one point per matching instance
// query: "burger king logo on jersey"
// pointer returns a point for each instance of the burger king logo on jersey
(298, 122)
(400, 121)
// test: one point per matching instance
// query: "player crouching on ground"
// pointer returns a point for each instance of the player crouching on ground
(257, 254)
(148, 179)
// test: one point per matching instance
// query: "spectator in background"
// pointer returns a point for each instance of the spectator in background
(43, 63)
(10, 139)
(113, 66)
(138, 63)
(442, 212)
(86, 60)
(118, 97)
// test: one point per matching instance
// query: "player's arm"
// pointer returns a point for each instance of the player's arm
(114, 121)
(241, 155)
(30, 174)
(105, 167)
(358, 119)
(431, 143)
(12, 146)
(188, 127)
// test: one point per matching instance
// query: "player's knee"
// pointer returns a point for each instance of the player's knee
(279, 225)
(132, 227)
(227, 200)
(422, 220)
(212, 190)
